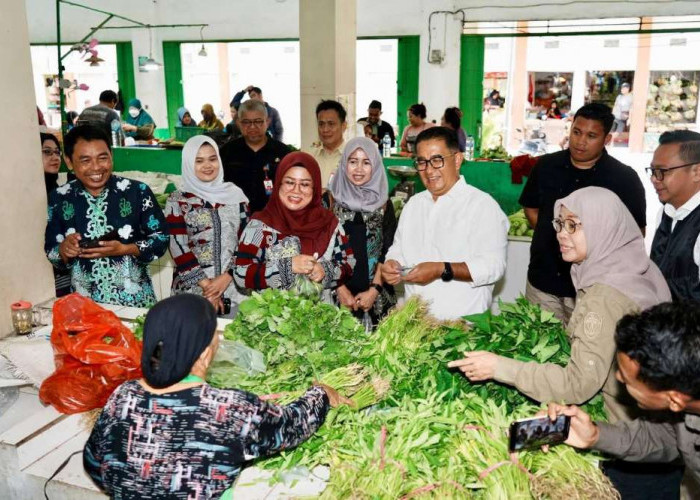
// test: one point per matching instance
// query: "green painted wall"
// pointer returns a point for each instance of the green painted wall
(407, 78)
(125, 71)
(471, 82)
(172, 70)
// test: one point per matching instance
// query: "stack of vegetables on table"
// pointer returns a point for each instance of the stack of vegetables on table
(519, 225)
(417, 428)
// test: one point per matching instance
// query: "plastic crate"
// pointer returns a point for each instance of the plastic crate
(184, 133)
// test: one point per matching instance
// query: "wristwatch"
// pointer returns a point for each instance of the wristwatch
(377, 287)
(447, 274)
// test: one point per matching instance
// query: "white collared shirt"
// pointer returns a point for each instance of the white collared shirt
(679, 214)
(464, 225)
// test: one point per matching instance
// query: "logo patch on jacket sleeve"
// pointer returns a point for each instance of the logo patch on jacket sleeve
(592, 325)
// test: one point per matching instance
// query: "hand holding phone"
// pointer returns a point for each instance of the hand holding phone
(533, 433)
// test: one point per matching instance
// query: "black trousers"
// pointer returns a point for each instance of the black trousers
(641, 481)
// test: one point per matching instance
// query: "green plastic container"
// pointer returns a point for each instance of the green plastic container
(184, 133)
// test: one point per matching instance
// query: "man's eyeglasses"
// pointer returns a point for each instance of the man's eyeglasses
(250, 123)
(437, 161)
(567, 224)
(51, 152)
(658, 173)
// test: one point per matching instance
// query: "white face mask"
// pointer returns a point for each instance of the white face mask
(133, 112)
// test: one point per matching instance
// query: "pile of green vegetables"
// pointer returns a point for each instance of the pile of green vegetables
(519, 225)
(427, 432)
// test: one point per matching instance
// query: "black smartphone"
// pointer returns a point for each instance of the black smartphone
(533, 433)
(227, 306)
(95, 242)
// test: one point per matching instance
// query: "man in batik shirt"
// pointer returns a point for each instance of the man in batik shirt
(105, 229)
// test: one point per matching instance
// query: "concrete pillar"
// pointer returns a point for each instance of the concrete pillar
(24, 271)
(516, 99)
(327, 38)
(224, 81)
(150, 85)
(640, 89)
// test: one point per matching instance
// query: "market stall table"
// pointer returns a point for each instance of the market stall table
(36, 439)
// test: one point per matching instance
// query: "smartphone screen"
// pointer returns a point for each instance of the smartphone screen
(531, 433)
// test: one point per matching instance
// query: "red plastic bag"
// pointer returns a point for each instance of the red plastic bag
(94, 353)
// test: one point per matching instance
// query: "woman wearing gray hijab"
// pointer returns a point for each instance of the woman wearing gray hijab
(359, 198)
(204, 220)
(613, 277)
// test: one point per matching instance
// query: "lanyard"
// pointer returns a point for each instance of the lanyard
(267, 183)
(191, 378)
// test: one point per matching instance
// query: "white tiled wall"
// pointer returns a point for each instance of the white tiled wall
(162, 275)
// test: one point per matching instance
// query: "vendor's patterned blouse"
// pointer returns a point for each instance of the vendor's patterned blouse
(264, 258)
(190, 444)
(125, 206)
(203, 239)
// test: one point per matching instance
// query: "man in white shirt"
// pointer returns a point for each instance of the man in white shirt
(675, 174)
(453, 235)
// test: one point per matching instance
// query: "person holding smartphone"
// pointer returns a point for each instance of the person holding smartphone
(102, 228)
(613, 277)
(658, 360)
(204, 220)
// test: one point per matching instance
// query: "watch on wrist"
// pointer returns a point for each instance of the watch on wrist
(447, 274)
(377, 287)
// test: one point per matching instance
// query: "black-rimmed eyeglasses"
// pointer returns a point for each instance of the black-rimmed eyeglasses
(658, 173)
(437, 162)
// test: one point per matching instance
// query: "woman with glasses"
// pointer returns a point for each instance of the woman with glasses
(294, 235)
(613, 276)
(358, 195)
(51, 160)
(204, 220)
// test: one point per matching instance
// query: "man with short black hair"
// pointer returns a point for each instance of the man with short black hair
(658, 358)
(675, 174)
(555, 176)
(379, 127)
(274, 123)
(250, 161)
(105, 229)
(331, 119)
(102, 115)
(450, 245)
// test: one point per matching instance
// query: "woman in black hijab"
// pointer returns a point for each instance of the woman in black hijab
(163, 435)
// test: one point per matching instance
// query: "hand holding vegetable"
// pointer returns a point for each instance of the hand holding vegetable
(391, 272)
(303, 264)
(365, 300)
(345, 297)
(424, 273)
(583, 433)
(478, 366)
(317, 273)
(334, 398)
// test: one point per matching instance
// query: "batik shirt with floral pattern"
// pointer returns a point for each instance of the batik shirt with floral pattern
(125, 206)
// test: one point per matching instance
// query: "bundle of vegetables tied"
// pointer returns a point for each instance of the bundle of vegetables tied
(519, 225)
(425, 430)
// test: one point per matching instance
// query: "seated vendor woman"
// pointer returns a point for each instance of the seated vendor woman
(613, 277)
(358, 195)
(139, 124)
(204, 220)
(294, 236)
(170, 434)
